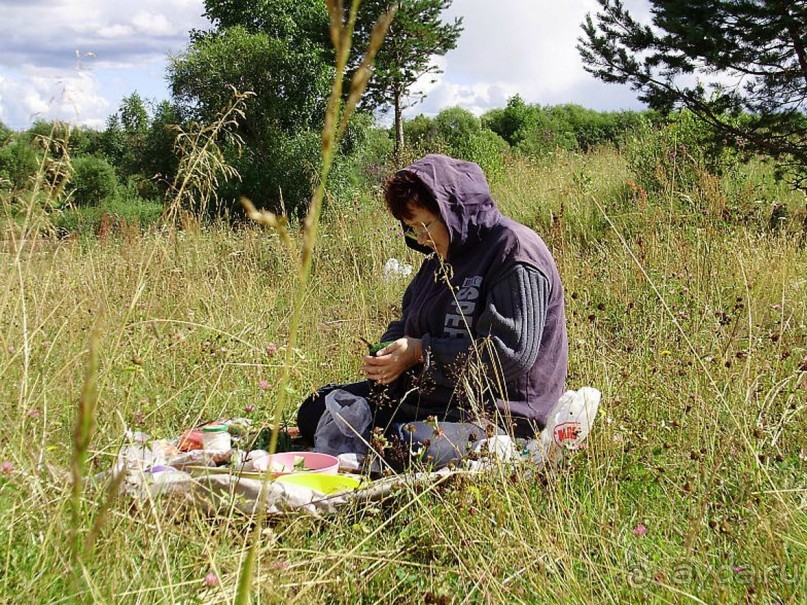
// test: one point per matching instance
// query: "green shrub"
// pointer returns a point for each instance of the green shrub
(456, 126)
(512, 122)
(669, 157)
(79, 222)
(544, 134)
(421, 137)
(135, 210)
(159, 162)
(5, 134)
(487, 149)
(419, 130)
(123, 209)
(456, 132)
(448, 132)
(681, 164)
(536, 131)
(281, 172)
(530, 129)
(361, 152)
(18, 163)
(369, 164)
(94, 181)
(591, 128)
(281, 176)
(79, 140)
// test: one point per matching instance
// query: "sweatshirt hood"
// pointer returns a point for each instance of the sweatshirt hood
(463, 197)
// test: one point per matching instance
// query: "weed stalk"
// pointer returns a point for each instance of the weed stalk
(202, 161)
(82, 434)
(341, 35)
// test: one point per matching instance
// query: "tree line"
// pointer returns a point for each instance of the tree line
(134, 157)
(280, 51)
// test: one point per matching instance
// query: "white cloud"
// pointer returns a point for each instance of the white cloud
(524, 47)
(534, 42)
(116, 31)
(57, 57)
(156, 25)
(509, 47)
(37, 95)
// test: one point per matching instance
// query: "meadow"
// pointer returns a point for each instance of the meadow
(689, 314)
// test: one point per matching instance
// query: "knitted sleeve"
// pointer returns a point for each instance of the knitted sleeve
(513, 319)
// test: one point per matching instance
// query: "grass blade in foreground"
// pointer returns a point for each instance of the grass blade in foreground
(82, 433)
(341, 35)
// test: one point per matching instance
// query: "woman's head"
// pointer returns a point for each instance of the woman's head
(403, 191)
(411, 202)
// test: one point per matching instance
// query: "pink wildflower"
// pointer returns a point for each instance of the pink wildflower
(264, 385)
(640, 530)
(249, 408)
(6, 468)
(271, 349)
(12, 349)
(211, 580)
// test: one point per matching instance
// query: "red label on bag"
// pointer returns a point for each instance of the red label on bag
(567, 432)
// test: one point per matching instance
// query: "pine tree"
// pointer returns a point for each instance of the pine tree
(415, 36)
(752, 52)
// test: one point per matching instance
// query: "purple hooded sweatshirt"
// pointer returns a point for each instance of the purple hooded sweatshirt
(484, 247)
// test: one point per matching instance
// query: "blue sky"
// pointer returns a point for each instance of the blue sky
(76, 59)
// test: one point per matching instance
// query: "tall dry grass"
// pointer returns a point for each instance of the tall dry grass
(691, 488)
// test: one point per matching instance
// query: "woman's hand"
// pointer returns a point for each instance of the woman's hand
(393, 360)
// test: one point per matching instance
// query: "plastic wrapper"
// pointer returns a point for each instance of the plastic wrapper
(345, 425)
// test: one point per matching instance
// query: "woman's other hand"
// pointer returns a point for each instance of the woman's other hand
(393, 360)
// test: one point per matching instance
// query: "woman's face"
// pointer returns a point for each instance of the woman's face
(429, 230)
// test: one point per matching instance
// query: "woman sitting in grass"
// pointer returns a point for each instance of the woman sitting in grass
(482, 332)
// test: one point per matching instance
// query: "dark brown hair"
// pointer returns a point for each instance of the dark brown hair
(403, 190)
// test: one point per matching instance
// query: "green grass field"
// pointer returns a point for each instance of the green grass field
(692, 488)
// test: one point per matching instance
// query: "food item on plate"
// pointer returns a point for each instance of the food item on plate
(298, 465)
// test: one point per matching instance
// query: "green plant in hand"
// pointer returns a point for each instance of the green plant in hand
(375, 348)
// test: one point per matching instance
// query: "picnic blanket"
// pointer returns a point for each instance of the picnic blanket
(153, 468)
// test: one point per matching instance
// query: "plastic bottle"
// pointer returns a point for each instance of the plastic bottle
(216, 438)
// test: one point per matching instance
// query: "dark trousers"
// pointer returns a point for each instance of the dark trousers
(437, 444)
(387, 407)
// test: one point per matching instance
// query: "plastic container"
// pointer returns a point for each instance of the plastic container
(190, 440)
(288, 463)
(322, 482)
(216, 438)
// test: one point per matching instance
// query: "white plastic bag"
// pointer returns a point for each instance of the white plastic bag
(345, 425)
(568, 425)
(394, 268)
(498, 447)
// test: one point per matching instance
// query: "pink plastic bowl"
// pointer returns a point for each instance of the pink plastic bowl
(313, 462)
